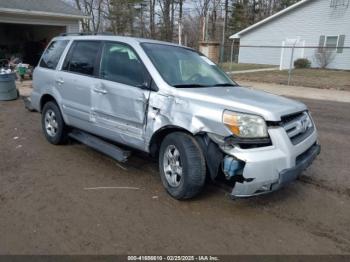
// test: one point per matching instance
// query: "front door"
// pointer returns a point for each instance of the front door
(119, 100)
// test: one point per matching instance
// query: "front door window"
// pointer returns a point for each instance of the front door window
(121, 64)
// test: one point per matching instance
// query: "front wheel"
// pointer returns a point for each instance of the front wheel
(181, 165)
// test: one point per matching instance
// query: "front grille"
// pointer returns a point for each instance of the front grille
(298, 126)
(290, 118)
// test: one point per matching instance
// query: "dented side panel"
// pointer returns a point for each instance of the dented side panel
(122, 108)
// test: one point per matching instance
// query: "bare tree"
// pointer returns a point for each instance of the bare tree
(191, 25)
(165, 9)
(214, 17)
(180, 21)
(152, 11)
(123, 14)
(324, 56)
(202, 7)
(158, 18)
(94, 9)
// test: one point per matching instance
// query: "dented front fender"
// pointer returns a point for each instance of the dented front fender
(188, 114)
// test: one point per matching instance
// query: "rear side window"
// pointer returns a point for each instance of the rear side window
(82, 57)
(53, 53)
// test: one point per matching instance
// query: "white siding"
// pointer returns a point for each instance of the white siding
(307, 22)
(73, 28)
(72, 25)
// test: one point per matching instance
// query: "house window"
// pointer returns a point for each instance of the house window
(332, 43)
(339, 3)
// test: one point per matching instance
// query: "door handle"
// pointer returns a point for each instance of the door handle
(60, 81)
(100, 91)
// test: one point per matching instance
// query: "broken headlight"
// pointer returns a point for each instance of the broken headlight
(245, 125)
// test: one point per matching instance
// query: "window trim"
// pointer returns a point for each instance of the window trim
(96, 62)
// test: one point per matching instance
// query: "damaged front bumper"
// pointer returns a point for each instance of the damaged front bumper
(269, 168)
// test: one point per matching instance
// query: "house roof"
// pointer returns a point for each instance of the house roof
(268, 19)
(56, 8)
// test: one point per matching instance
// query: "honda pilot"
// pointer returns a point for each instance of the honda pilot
(118, 94)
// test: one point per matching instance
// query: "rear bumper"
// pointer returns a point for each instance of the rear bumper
(270, 168)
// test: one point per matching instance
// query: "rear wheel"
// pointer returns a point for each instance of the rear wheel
(53, 124)
(181, 165)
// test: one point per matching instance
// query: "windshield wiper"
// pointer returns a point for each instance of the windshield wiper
(189, 85)
(225, 84)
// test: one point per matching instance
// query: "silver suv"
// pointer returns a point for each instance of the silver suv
(118, 93)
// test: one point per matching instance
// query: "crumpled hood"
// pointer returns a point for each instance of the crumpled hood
(245, 99)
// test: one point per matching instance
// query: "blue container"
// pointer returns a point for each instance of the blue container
(8, 89)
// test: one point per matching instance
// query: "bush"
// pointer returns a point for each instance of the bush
(302, 63)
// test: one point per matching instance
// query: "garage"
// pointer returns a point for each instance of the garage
(29, 43)
(27, 26)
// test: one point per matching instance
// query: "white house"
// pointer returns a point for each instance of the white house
(27, 25)
(306, 25)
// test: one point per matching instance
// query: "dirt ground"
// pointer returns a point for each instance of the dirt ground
(317, 78)
(46, 206)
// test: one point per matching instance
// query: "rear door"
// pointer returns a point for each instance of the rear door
(45, 74)
(77, 79)
(119, 100)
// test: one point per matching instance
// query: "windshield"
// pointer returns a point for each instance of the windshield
(182, 67)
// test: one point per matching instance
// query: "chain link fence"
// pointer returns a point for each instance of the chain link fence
(283, 64)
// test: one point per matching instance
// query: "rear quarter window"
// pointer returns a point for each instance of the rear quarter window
(53, 54)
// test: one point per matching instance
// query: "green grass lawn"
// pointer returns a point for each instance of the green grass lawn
(238, 67)
(318, 78)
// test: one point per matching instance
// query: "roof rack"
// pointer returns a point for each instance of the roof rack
(86, 33)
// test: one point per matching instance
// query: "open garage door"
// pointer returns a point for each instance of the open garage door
(26, 41)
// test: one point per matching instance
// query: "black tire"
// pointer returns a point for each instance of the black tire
(192, 162)
(60, 136)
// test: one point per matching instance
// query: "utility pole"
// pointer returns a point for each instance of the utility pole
(223, 40)
(224, 32)
(291, 62)
(203, 23)
(206, 37)
(180, 33)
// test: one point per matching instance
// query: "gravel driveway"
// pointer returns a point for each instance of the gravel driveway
(48, 203)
